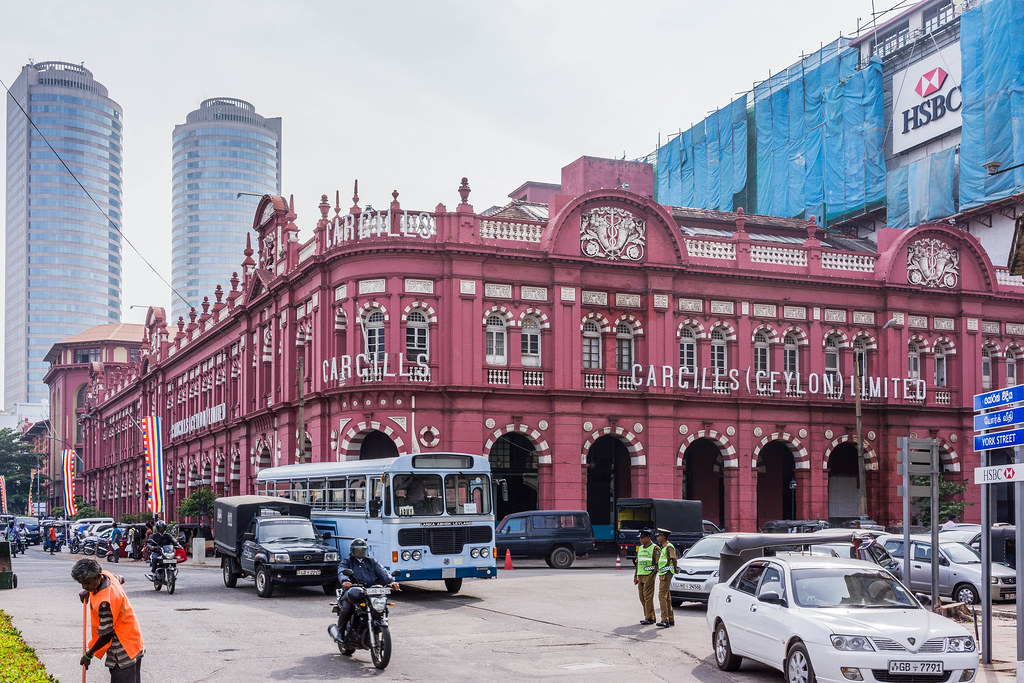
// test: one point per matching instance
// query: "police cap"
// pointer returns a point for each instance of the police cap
(644, 532)
(664, 532)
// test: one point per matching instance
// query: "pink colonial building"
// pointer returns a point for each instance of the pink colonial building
(589, 341)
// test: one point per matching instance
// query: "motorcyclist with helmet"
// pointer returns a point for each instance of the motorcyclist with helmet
(367, 572)
(155, 543)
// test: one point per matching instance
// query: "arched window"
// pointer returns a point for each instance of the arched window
(375, 336)
(986, 369)
(688, 350)
(914, 360)
(591, 346)
(832, 356)
(791, 354)
(417, 336)
(624, 347)
(719, 362)
(530, 342)
(940, 364)
(860, 356)
(1011, 367)
(762, 350)
(496, 337)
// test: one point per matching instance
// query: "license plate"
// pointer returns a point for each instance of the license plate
(692, 586)
(1010, 596)
(307, 572)
(447, 573)
(922, 668)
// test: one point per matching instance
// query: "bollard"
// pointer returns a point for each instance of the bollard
(198, 550)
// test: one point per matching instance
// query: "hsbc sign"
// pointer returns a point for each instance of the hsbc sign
(998, 474)
(927, 99)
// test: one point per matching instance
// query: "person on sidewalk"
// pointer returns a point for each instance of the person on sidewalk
(115, 544)
(667, 568)
(116, 634)
(645, 576)
(51, 536)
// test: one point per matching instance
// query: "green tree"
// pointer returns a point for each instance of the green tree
(17, 459)
(140, 518)
(86, 511)
(951, 500)
(199, 504)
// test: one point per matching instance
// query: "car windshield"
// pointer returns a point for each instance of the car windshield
(28, 521)
(823, 587)
(959, 553)
(290, 530)
(958, 535)
(709, 548)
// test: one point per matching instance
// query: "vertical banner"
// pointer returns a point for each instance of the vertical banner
(68, 468)
(31, 480)
(152, 442)
(3, 495)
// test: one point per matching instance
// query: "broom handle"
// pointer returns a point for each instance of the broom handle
(85, 616)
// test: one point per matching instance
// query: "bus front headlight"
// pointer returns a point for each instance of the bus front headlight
(416, 555)
(484, 552)
(474, 553)
(406, 555)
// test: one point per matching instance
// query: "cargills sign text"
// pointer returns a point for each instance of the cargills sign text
(927, 99)
(369, 367)
(204, 418)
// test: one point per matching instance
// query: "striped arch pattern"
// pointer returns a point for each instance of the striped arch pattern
(181, 477)
(638, 327)
(1013, 350)
(801, 335)
(633, 445)
(949, 344)
(236, 467)
(340, 320)
(193, 476)
(870, 341)
(727, 329)
(365, 309)
(540, 315)
(836, 332)
(501, 310)
(801, 458)
(773, 335)
(697, 326)
(948, 456)
(601, 321)
(423, 306)
(219, 471)
(543, 449)
(263, 460)
(921, 342)
(353, 438)
(870, 456)
(728, 451)
(992, 346)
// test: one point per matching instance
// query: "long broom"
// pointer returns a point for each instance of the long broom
(85, 616)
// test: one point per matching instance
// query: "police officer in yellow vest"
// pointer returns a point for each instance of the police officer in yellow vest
(646, 575)
(667, 568)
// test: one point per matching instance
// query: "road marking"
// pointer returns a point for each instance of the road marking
(588, 665)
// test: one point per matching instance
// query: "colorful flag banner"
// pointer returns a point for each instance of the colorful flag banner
(3, 495)
(153, 444)
(68, 467)
(31, 480)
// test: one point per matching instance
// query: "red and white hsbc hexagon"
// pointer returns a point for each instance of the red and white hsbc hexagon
(927, 99)
(999, 474)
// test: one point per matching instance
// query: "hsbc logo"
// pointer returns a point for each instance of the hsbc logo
(1008, 473)
(931, 82)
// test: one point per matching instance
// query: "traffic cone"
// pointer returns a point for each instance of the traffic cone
(618, 561)
(508, 560)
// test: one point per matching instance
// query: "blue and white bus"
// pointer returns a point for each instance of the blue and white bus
(428, 516)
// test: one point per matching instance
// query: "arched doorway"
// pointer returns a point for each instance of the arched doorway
(377, 445)
(703, 480)
(1001, 496)
(843, 489)
(608, 479)
(514, 459)
(776, 495)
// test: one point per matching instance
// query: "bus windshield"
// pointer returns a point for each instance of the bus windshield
(418, 495)
(467, 494)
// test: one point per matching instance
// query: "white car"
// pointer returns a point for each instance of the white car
(698, 570)
(833, 619)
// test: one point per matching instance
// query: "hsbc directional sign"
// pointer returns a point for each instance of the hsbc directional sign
(928, 99)
(998, 474)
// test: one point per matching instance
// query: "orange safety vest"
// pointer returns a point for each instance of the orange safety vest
(53, 533)
(126, 626)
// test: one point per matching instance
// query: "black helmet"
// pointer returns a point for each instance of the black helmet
(115, 525)
(161, 526)
(357, 544)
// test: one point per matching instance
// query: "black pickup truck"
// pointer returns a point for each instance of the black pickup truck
(272, 540)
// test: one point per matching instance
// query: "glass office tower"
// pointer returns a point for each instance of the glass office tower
(222, 149)
(63, 270)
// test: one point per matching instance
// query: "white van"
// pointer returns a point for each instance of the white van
(92, 525)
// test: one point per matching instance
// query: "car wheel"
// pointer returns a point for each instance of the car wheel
(965, 593)
(798, 665)
(264, 585)
(561, 557)
(724, 657)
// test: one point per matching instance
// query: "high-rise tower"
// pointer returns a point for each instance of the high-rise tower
(224, 148)
(63, 271)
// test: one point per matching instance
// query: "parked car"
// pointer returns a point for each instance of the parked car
(698, 569)
(1002, 536)
(959, 570)
(556, 535)
(834, 619)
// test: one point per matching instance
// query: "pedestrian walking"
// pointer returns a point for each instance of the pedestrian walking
(116, 634)
(115, 544)
(644, 576)
(52, 537)
(667, 568)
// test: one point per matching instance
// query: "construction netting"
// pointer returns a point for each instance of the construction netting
(921, 191)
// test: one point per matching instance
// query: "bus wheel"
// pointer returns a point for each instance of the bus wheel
(453, 585)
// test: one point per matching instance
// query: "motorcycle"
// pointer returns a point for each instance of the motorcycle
(18, 544)
(75, 543)
(368, 626)
(166, 569)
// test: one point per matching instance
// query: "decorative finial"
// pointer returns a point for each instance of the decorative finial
(355, 196)
(741, 220)
(464, 190)
(234, 281)
(218, 294)
(337, 203)
(181, 324)
(812, 228)
(394, 195)
(325, 207)
(206, 305)
(248, 262)
(192, 316)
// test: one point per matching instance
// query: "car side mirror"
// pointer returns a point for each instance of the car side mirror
(326, 535)
(944, 562)
(248, 536)
(348, 572)
(504, 490)
(772, 598)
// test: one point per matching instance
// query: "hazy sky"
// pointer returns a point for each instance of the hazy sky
(411, 95)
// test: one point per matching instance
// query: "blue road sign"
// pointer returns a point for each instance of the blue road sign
(1011, 437)
(999, 397)
(1002, 418)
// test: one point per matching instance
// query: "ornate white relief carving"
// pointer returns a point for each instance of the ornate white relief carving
(627, 300)
(595, 298)
(871, 436)
(340, 292)
(802, 433)
(863, 318)
(588, 425)
(691, 305)
(419, 286)
(758, 431)
(765, 310)
(833, 315)
(661, 300)
(919, 321)
(1016, 329)
(933, 263)
(942, 323)
(730, 430)
(542, 425)
(953, 437)
(400, 421)
(467, 286)
(972, 325)
(1003, 277)
(612, 233)
(371, 286)
(744, 308)
(568, 294)
(900, 319)
(828, 433)
(637, 427)
(723, 307)
(986, 326)
(794, 312)
(533, 293)
(489, 423)
(683, 429)
(495, 291)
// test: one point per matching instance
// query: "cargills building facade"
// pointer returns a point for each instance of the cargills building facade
(592, 343)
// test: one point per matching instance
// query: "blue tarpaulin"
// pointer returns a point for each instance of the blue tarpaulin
(921, 191)
(992, 56)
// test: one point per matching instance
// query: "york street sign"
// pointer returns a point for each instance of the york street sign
(1002, 418)
(999, 474)
(999, 397)
(1012, 437)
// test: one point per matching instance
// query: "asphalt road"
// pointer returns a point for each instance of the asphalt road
(535, 621)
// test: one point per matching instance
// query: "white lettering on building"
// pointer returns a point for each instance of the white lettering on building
(204, 418)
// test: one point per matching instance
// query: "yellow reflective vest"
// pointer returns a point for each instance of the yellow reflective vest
(664, 564)
(645, 560)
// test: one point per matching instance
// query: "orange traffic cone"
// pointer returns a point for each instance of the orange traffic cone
(618, 561)
(508, 560)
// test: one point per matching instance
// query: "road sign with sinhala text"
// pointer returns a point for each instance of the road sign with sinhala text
(1003, 418)
(999, 397)
(1007, 439)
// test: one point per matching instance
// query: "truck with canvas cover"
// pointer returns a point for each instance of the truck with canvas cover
(684, 518)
